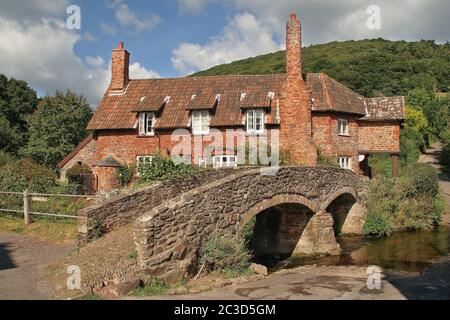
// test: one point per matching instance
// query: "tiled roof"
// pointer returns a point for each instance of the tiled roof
(237, 93)
(205, 99)
(116, 111)
(109, 161)
(259, 99)
(330, 95)
(151, 104)
(385, 108)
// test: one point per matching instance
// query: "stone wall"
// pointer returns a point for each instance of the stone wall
(123, 209)
(170, 237)
(331, 143)
(86, 155)
(379, 136)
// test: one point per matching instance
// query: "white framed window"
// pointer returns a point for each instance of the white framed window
(200, 122)
(224, 161)
(343, 127)
(255, 121)
(146, 124)
(344, 162)
(140, 160)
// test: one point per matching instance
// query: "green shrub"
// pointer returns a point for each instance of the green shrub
(409, 202)
(411, 143)
(227, 252)
(247, 231)
(445, 158)
(161, 169)
(326, 161)
(376, 225)
(419, 179)
(124, 175)
(155, 287)
(78, 169)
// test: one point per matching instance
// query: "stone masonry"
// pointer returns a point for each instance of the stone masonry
(170, 237)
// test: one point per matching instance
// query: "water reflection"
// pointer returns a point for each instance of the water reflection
(406, 251)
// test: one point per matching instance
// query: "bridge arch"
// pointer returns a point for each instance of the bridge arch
(170, 237)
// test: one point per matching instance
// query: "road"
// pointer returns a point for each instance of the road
(22, 258)
(304, 283)
(431, 157)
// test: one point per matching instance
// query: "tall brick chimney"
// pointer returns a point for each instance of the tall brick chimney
(295, 109)
(120, 68)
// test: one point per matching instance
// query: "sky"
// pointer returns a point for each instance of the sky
(174, 38)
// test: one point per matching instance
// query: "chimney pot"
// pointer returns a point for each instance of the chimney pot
(120, 45)
(293, 16)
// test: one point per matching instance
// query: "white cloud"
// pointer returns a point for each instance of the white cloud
(108, 29)
(243, 37)
(95, 61)
(128, 18)
(89, 37)
(32, 10)
(139, 72)
(191, 6)
(42, 53)
(325, 20)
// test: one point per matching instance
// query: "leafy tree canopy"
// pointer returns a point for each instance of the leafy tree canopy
(17, 100)
(57, 127)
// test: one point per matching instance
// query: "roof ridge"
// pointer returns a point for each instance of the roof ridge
(212, 76)
(325, 89)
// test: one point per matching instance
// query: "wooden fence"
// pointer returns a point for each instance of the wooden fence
(29, 197)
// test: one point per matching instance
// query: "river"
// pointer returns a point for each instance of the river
(405, 251)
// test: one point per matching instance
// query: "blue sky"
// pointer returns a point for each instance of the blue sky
(153, 46)
(173, 38)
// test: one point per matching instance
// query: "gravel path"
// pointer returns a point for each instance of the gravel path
(22, 258)
(431, 157)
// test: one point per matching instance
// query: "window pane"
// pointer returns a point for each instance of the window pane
(250, 121)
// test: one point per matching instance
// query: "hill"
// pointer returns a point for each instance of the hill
(370, 67)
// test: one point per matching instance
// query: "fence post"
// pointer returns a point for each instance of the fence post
(26, 207)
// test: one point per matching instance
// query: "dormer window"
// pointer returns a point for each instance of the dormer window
(146, 124)
(343, 127)
(200, 122)
(255, 121)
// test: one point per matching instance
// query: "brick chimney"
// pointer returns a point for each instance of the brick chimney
(120, 68)
(295, 108)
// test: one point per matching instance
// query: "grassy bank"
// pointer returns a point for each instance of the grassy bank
(51, 230)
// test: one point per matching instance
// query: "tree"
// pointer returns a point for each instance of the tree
(57, 127)
(17, 101)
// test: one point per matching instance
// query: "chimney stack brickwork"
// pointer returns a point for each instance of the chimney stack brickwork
(120, 68)
(295, 112)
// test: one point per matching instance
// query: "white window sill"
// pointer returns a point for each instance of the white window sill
(255, 134)
(146, 135)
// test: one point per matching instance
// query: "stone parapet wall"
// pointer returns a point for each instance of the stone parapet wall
(97, 220)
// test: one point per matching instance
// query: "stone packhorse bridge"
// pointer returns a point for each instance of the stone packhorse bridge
(298, 210)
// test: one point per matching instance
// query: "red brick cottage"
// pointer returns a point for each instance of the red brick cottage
(311, 113)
